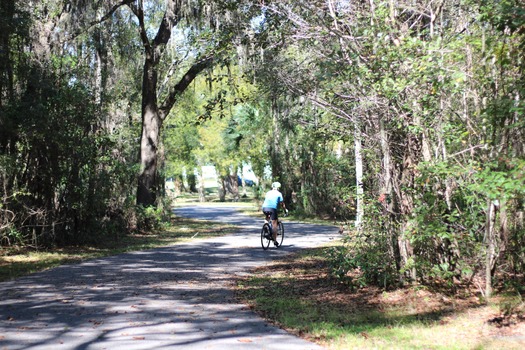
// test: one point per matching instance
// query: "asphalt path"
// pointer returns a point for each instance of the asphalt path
(176, 297)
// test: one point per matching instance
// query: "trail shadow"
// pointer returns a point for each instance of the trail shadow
(159, 298)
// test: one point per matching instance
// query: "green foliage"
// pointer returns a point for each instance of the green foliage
(215, 125)
(365, 258)
(446, 229)
(66, 174)
(342, 264)
(150, 218)
(504, 15)
(503, 180)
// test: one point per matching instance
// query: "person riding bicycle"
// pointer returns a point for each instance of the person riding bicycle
(271, 203)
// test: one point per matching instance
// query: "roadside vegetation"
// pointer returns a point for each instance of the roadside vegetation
(301, 295)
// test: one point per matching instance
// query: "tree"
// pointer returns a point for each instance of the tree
(153, 114)
(192, 19)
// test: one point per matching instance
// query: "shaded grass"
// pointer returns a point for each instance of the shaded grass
(16, 262)
(298, 295)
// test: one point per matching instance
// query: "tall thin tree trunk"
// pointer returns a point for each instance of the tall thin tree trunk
(358, 175)
(7, 8)
(221, 187)
(275, 153)
(491, 247)
(385, 150)
(202, 190)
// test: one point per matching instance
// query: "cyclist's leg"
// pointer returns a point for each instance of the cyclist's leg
(280, 233)
(275, 224)
(274, 229)
(273, 218)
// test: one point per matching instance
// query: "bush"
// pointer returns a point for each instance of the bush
(364, 259)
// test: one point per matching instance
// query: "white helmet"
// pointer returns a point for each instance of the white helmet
(276, 185)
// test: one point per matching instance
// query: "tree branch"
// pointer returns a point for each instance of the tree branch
(169, 20)
(139, 13)
(110, 13)
(181, 86)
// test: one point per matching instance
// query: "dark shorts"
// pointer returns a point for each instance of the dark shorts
(273, 212)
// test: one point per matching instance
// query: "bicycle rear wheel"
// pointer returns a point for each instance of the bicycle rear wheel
(266, 236)
(280, 234)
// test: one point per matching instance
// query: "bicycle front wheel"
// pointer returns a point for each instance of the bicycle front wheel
(280, 234)
(266, 236)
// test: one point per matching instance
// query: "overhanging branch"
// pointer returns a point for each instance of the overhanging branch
(139, 13)
(108, 15)
(183, 83)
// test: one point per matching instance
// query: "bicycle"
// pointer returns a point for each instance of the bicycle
(266, 232)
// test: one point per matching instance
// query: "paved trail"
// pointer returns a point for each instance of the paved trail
(177, 297)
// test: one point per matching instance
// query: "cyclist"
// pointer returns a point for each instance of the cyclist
(271, 203)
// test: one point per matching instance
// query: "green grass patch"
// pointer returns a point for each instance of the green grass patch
(299, 295)
(16, 262)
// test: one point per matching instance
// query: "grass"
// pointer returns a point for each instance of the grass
(16, 262)
(298, 295)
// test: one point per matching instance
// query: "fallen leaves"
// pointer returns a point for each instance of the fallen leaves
(95, 322)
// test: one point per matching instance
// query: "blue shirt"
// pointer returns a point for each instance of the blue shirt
(272, 199)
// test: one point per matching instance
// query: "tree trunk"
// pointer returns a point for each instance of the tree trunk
(275, 150)
(233, 186)
(491, 247)
(151, 123)
(7, 8)
(192, 183)
(221, 188)
(358, 176)
(202, 190)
